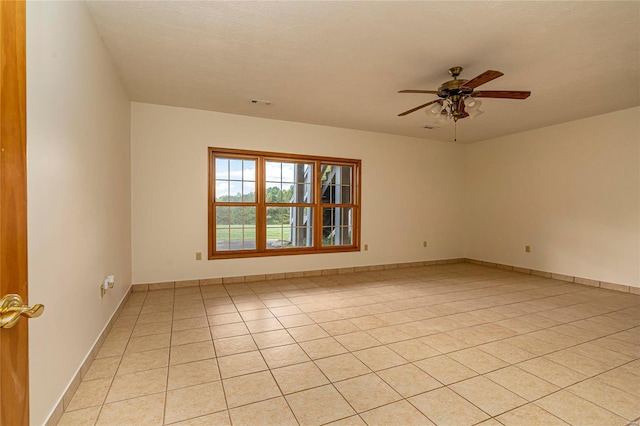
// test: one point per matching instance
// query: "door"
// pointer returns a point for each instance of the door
(14, 360)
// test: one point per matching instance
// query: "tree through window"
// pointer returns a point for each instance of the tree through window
(269, 203)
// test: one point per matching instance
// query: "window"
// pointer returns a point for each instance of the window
(264, 204)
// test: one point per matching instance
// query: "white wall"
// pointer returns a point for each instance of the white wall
(570, 191)
(78, 138)
(412, 191)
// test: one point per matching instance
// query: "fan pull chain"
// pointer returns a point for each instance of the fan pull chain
(455, 131)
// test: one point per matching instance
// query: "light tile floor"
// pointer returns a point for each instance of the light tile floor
(447, 345)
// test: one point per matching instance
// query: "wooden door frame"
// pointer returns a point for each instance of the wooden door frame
(14, 352)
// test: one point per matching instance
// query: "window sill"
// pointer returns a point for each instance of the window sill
(282, 252)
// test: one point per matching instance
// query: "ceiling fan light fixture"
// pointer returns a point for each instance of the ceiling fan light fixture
(435, 110)
(474, 113)
(471, 104)
(443, 118)
(472, 107)
(459, 97)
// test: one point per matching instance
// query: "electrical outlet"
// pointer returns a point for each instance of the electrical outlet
(366, 247)
(198, 255)
(424, 244)
(527, 249)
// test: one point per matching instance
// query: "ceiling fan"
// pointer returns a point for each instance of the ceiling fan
(458, 96)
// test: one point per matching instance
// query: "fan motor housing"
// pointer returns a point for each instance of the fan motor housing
(453, 87)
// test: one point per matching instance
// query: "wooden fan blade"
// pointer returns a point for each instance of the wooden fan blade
(432, 92)
(417, 108)
(483, 78)
(502, 94)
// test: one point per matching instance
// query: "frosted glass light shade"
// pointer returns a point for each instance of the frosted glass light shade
(472, 104)
(434, 110)
(474, 113)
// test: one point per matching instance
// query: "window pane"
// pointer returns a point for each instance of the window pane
(288, 172)
(289, 227)
(235, 191)
(336, 185)
(235, 228)
(250, 216)
(248, 191)
(235, 180)
(280, 193)
(235, 169)
(222, 238)
(222, 215)
(222, 190)
(249, 241)
(345, 194)
(222, 168)
(273, 171)
(336, 175)
(222, 228)
(289, 182)
(301, 193)
(274, 192)
(249, 170)
(337, 226)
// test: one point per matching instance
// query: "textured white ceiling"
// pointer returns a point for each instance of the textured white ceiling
(341, 63)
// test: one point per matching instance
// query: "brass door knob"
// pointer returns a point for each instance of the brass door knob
(12, 308)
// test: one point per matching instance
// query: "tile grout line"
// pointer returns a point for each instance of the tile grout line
(118, 366)
(395, 289)
(224, 392)
(268, 369)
